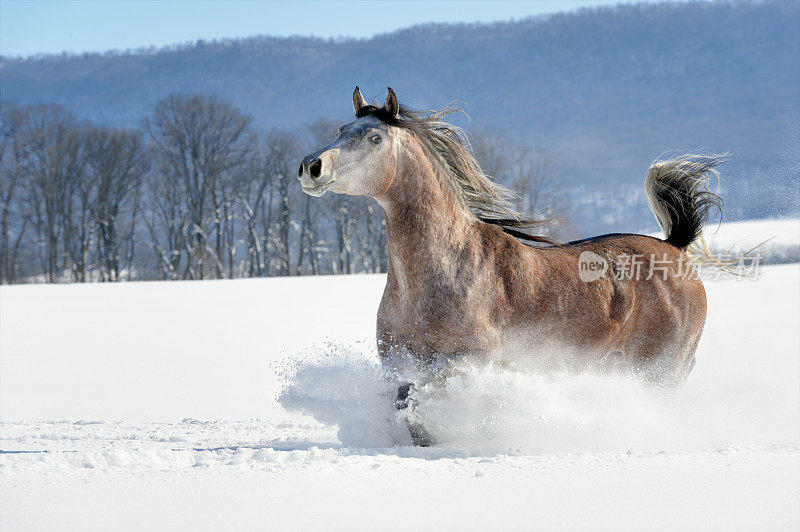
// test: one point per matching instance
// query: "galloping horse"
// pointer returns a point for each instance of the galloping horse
(461, 282)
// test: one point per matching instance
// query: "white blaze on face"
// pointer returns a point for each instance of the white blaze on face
(358, 163)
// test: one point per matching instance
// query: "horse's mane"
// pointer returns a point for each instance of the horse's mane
(489, 201)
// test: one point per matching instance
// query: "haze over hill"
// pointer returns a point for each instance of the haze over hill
(604, 91)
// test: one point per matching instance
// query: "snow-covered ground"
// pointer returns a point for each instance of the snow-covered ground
(259, 404)
(778, 240)
(780, 232)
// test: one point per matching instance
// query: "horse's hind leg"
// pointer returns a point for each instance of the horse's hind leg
(688, 360)
(419, 435)
(665, 359)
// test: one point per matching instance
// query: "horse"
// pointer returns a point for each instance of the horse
(467, 280)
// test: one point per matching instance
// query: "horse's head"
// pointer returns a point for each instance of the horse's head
(362, 159)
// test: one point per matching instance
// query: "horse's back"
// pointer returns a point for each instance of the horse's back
(647, 265)
(623, 242)
(652, 301)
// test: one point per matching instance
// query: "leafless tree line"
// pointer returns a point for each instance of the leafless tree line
(196, 193)
(69, 196)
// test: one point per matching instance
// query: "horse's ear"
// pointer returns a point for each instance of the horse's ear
(358, 100)
(391, 105)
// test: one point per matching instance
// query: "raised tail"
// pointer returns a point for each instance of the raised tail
(677, 191)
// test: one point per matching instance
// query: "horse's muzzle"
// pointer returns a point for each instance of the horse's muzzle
(311, 165)
(315, 173)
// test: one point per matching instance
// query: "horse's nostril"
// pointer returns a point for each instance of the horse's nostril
(315, 169)
(300, 171)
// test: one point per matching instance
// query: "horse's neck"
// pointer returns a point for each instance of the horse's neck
(426, 224)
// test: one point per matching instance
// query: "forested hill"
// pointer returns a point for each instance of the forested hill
(604, 91)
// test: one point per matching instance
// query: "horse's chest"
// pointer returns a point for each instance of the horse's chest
(445, 319)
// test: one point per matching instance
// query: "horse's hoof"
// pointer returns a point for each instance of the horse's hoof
(401, 403)
(419, 436)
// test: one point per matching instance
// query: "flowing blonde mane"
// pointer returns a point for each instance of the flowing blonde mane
(488, 200)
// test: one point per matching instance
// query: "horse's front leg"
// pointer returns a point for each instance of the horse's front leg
(404, 401)
(439, 370)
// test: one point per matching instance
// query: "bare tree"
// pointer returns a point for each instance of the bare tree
(50, 153)
(76, 209)
(200, 141)
(117, 162)
(253, 197)
(282, 151)
(13, 221)
(165, 219)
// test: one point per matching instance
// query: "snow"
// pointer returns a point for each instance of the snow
(777, 239)
(260, 404)
(778, 232)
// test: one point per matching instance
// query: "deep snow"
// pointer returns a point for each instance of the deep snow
(219, 405)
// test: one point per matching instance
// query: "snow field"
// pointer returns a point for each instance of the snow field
(227, 405)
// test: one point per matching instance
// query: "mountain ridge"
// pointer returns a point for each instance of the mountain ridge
(604, 90)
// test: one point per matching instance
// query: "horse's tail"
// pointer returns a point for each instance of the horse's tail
(677, 191)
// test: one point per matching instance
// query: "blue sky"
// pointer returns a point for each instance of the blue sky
(29, 27)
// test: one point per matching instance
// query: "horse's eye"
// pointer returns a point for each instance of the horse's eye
(376, 139)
